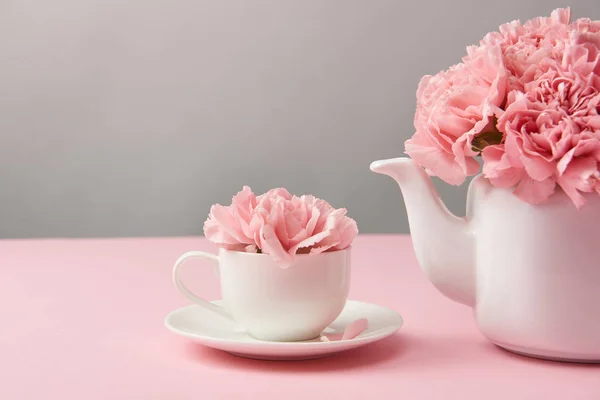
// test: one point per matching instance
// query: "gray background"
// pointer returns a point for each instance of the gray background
(130, 118)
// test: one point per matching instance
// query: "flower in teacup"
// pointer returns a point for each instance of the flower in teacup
(279, 224)
(229, 226)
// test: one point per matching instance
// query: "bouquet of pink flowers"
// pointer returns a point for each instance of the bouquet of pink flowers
(527, 99)
(279, 224)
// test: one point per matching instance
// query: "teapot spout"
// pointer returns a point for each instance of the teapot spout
(443, 242)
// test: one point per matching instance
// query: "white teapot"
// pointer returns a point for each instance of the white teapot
(531, 273)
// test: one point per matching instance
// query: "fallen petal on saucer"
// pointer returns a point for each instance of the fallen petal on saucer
(353, 330)
(331, 337)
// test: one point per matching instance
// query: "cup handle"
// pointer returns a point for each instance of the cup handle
(188, 293)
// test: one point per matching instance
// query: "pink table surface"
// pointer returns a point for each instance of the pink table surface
(83, 319)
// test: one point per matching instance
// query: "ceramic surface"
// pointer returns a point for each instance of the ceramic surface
(275, 303)
(212, 330)
(531, 272)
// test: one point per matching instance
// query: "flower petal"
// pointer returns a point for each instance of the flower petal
(534, 192)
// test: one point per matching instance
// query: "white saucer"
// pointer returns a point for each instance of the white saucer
(214, 331)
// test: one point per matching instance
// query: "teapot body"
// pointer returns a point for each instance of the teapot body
(531, 273)
(537, 273)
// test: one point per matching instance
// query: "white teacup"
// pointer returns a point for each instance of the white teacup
(274, 303)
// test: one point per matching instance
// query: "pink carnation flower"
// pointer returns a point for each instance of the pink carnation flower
(552, 129)
(528, 99)
(279, 224)
(453, 107)
(229, 226)
(524, 45)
